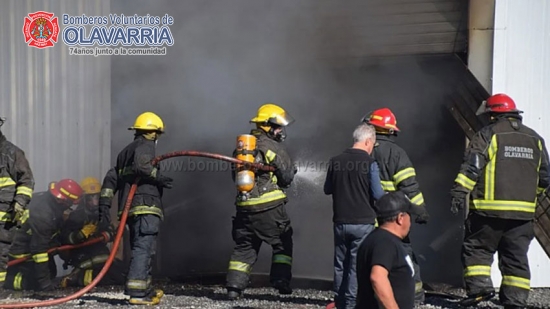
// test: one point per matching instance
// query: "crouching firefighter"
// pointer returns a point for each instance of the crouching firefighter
(35, 237)
(16, 188)
(505, 166)
(261, 215)
(81, 225)
(146, 212)
(398, 174)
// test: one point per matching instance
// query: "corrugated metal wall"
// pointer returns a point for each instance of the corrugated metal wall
(521, 68)
(57, 105)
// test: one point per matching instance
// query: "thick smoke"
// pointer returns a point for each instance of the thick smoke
(231, 57)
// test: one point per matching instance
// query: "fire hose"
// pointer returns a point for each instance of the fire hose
(92, 241)
(122, 224)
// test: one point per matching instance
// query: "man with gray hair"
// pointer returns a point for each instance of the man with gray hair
(353, 180)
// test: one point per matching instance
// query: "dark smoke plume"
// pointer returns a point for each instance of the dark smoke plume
(229, 58)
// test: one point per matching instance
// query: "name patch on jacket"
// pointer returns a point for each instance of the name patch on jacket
(518, 152)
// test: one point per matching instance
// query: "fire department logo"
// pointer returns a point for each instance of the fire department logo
(40, 29)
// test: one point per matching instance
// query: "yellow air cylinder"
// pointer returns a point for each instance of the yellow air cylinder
(244, 179)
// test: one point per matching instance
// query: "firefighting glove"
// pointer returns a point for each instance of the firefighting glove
(458, 199)
(108, 234)
(104, 217)
(164, 181)
(20, 214)
(88, 230)
(423, 218)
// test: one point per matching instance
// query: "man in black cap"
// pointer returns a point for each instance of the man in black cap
(385, 271)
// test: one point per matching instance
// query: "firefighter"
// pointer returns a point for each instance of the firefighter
(16, 188)
(262, 216)
(504, 167)
(397, 174)
(146, 211)
(34, 237)
(81, 225)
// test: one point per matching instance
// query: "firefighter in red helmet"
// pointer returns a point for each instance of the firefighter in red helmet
(43, 220)
(505, 167)
(397, 174)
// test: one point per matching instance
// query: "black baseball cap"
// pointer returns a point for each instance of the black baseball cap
(393, 203)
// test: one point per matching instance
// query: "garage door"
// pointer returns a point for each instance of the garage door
(390, 27)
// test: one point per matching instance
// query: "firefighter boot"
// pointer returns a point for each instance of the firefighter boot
(474, 299)
(234, 294)
(71, 279)
(419, 298)
(283, 286)
(152, 299)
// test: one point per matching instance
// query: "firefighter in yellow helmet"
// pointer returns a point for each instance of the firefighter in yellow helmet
(146, 212)
(81, 225)
(262, 217)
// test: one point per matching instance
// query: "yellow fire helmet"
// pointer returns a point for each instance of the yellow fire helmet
(148, 121)
(90, 185)
(272, 114)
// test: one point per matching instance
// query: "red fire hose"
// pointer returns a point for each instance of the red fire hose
(122, 224)
(92, 241)
(190, 153)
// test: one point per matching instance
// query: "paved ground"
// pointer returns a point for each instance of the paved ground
(211, 297)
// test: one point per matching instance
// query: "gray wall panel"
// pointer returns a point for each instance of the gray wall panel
(57, 105)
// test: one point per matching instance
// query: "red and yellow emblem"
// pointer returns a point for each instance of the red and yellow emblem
(41, 29)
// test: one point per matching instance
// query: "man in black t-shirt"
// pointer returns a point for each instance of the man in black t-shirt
(385, 271)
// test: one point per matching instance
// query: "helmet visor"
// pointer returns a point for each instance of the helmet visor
(283, 119)
(482, 108)
(366, 117)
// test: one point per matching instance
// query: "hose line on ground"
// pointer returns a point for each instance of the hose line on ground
(90, 242)
(122, 224)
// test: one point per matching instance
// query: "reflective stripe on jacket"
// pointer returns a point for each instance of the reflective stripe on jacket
(505, 166)
(396, 169)
(268, 189)
(16, 178)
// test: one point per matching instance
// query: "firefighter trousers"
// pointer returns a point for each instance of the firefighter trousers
(249, 231)
(511, 239)
(6, 238)
(26, 275)
(143, 233)
(418, 290)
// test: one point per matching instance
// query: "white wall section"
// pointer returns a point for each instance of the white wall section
(521, 69)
